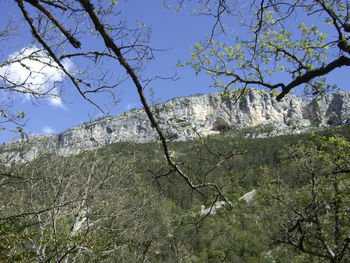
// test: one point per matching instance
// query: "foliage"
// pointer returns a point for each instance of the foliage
(309, 196)
(280, 45)
(111, 205)
(83, 209)
(124, 203)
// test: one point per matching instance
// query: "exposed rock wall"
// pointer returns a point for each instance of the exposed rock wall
(183, 118)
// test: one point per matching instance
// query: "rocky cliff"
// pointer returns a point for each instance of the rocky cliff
(185, 118)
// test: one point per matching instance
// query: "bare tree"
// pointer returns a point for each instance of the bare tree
(84, 209)
(118, 43)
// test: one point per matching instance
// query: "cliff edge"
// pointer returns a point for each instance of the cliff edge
(184, 118)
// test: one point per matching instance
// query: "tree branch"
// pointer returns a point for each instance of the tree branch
(309, 75)
(110, 44)
(35, 3)
(50, 51)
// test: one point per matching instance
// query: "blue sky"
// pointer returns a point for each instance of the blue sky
(172, 32)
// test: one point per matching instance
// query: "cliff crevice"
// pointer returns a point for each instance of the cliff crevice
(182, 118)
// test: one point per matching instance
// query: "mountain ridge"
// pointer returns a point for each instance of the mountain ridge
(188, 117)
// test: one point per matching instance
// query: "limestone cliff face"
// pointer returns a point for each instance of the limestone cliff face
(185, 118)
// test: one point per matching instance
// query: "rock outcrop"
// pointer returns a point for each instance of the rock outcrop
(184, 118)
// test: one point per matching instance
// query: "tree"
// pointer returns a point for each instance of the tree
(264, 48)
(61, 38)
(309, 199)
(89, 208)
(6, 115)
(281, 46)
(59, 29)
(54, 47)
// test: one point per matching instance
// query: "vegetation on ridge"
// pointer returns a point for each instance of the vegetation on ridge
(112, 204)
(142, 203)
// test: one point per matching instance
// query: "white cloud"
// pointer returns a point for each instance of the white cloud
(57, 101)
(130, 106)
(48, 130)
(33, 71)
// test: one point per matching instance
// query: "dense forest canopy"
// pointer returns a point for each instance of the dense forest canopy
(133, 203)
(112, 204)
(60, 30)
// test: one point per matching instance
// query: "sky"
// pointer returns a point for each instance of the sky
(174, 33)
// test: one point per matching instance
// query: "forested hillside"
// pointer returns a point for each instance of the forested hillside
(123, 204)
(202, 191)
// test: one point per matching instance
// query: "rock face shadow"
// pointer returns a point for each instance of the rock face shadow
(188, 118)
(220, 125)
